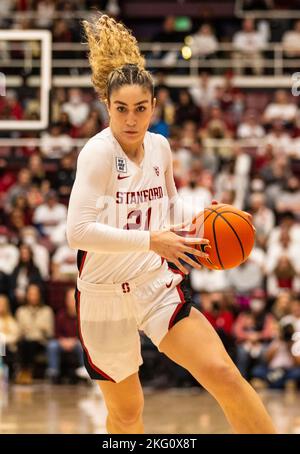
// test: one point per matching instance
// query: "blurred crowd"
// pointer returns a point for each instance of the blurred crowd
(238, 146)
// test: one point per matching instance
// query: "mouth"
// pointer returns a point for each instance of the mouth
(131, 132)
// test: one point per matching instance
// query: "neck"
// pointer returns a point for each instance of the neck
(133, 150)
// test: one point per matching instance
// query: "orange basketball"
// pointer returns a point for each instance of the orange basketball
(231, 235)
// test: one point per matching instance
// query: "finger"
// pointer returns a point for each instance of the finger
(180, 266)
(175, 227)
(194, 251)
(190, 261)
(188, 240)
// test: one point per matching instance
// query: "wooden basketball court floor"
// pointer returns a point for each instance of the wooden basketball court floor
(66, 409)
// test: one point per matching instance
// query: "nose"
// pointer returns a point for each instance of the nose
(131, 120)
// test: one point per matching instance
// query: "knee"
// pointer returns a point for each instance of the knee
(53, 345)
(223, 375)
(127, 414)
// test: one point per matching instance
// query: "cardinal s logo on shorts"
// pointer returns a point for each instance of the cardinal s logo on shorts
(156, 170)
(121, 165)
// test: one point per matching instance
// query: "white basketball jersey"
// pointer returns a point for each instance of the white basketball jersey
(135, 199)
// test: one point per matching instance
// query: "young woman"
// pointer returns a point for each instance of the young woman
(124, 282)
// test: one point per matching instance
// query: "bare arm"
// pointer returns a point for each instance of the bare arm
(83, 230)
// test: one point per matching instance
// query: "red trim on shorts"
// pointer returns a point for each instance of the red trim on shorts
(181, 296)
(82, 262)
(84, 347)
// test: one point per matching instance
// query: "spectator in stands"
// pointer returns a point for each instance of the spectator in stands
(204, 43)
(274, 175)
(289, 198)
(65, 176)
(9, 253)
(55, 144)
(11, 108)
(218, 128)
(66, 339)
(50, 215)
(25, 273)
(209, 281)
(76, 108)
(30, 237)
(64, 264)
(22, 186)
(283, 277)
(220, 317)
(91, 126)
(230, 99)
(37, 170)
(158, 125)
(193, 192)
(281, 109)
(282, 305)
(262, 217)
(248, 44)
(168, 34)
(286, 222)
(291, 41)
(203, 91)
(61, 34)
(250, 127)
(45, 13)
(165, 105)
(284, 247)
(293, 318)
(186, 109)
(9, 333)
(253, 329)
(228, 180)
(36, 325)
(279, 139)
(280, 365)
(246, 278)
(35, 196)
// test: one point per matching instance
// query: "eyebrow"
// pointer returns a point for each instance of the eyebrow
(136, 104)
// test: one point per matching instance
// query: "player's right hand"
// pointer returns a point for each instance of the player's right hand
(175, 248)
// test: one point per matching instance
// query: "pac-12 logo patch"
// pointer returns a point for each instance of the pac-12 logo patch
(121, 165)
(156, 170)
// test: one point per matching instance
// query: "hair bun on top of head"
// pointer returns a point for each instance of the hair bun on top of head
(111, 47)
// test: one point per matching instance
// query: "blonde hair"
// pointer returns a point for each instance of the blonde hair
(114, 57)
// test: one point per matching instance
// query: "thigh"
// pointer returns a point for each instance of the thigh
(194, 344)
(124, 397)
(109, 336)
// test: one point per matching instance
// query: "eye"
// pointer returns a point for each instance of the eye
(141, 109)
(121, 109)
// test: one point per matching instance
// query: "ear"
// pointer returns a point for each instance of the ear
(153, 103)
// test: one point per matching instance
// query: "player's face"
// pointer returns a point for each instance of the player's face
(130, 109)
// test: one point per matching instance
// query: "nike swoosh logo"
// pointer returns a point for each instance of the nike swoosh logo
(169, 285)
(122, 178)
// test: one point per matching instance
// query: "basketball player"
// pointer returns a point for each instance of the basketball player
(124, 282)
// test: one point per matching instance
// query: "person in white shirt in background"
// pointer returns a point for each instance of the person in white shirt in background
(291, 41)
(204, 43)
(282, 108)
(76, 108)
(50, 215)
(55, 144)
(249, 44)
(9, 253)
